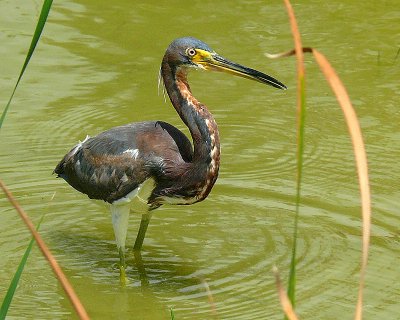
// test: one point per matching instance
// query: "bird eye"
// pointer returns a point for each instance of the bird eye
(191, 52)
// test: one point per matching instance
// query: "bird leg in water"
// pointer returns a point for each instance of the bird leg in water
(144, 280)
(144, 223)
(140, 204)
(122, 265)
(120, 218)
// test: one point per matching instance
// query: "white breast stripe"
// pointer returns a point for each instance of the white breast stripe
(177, 200)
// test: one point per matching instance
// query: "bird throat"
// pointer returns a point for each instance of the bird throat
(202, 127)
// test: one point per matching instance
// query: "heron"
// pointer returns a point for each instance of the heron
(116, 164)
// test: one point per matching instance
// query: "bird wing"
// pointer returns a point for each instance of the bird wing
(115, 162)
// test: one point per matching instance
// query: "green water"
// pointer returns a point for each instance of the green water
(97, 67)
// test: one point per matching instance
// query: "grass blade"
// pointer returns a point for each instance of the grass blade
(14, 282)
(360, 159)
(38, 31)
(358, 148)
(80, 310)
(301, 108)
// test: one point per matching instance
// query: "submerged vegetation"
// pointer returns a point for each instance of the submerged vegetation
(287, 298)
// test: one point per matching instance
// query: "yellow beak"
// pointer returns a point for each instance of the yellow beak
(213, 61)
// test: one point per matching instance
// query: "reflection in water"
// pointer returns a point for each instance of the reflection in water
(94, 70)
(141, 270)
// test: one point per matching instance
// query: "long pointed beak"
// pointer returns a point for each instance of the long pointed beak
(213, 61)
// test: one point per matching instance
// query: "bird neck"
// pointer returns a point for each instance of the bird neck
(195, 115)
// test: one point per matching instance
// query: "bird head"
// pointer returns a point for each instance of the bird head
(191, 52)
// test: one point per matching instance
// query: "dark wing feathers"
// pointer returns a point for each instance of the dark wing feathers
(117, 161)
(181, 141)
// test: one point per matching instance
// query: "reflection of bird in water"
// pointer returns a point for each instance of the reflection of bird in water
(114, 165)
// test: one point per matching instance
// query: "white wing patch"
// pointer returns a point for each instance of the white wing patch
(79, 145)
(134, 153)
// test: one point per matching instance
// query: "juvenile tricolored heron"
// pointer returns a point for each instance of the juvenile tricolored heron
(115, 164)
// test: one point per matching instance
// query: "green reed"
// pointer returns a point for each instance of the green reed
(350, 117)
(14, 282)
(36, 35)
(35, 38)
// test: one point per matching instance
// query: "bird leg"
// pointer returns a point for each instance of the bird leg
(120, 217)
(122, 265)
(144, 223)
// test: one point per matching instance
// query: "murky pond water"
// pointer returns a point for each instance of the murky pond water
(97, 66)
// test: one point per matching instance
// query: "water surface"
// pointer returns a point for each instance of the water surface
(97, 67)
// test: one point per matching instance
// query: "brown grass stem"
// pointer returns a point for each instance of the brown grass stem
(300, 117)
(80, 310)
(360, 155)
(210, 297)
(283, 298)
